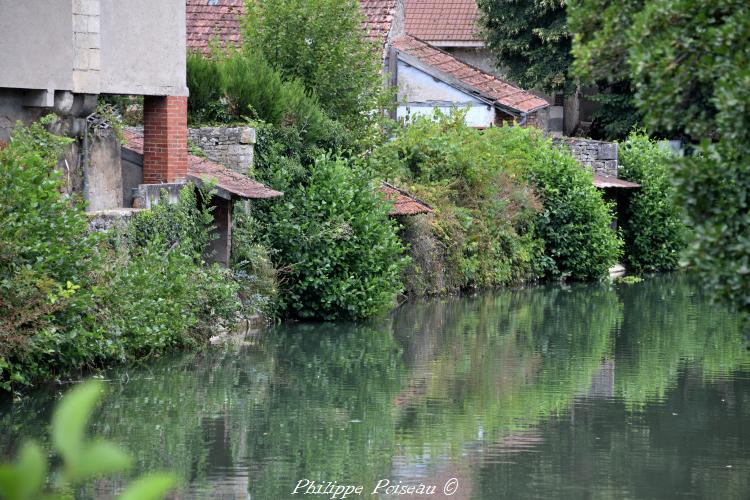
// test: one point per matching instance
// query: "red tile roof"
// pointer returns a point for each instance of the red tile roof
(443, 20)
(502, 94)
(201, 170)
(220, 21)
(378, 18)
(404, 203)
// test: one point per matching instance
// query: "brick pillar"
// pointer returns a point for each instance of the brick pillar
(164, 139)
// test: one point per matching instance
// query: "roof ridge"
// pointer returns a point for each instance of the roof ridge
(406, 193)
(490, 78)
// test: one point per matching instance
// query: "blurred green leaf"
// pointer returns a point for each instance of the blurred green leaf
(25, 479)
(71, 417)
(152, 487)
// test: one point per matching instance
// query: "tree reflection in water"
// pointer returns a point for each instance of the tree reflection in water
(582, 390)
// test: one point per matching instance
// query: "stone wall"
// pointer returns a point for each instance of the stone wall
(230, 146)
(600, 157)
(104, 220)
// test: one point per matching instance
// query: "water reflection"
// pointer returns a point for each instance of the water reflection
(587, 391)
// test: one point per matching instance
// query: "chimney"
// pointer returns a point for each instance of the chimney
(165, 149)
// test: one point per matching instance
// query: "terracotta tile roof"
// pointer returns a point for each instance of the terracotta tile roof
(220, 19)
(404, 203)
(502, 94)
(604, 181)
(443, 20)
(201, 170)
(378, 18)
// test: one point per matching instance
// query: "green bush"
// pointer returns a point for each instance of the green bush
(654, 231)
(252, 87)
(165, 258)
(575, 223)
(46, 253)
(252, 265)
(509, 206)
(70, 299)
(205, 91)
(337, 247)
(236, 86)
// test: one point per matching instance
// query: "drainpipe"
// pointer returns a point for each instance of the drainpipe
(85, 161)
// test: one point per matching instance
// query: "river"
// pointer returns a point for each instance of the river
(579, 391)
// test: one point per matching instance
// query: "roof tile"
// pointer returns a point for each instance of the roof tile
(443, 20)
(201, 169)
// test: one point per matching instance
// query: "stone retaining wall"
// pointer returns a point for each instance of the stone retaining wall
(599, 156)
(229, 146)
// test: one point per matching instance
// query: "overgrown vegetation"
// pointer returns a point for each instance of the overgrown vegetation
(510, 207)
(689, 63)
(341, 255)
(654, 232)
(82, 460)
(337, 251)
(71, 299)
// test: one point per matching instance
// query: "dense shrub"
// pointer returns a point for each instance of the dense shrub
(70, 299)
(165, 253)
(252, 265)
(235, 86)
(509, 206)
(45, 251)
(337, 247)
(654, 231)
(575, 223)
(483, 216)
(204, 101)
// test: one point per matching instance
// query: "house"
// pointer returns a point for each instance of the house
(404, 204)
(429, 78)
(60, 56)
(433, 73)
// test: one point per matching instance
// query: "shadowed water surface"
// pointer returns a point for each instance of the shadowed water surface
(587, 391)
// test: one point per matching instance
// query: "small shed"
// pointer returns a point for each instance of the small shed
(229, 186)
(404, 204)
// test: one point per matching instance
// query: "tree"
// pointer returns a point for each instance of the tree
(690, 64)
(531, 39)
(323, 44)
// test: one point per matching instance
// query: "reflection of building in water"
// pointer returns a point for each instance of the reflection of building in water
(603, 381)
(225, 477)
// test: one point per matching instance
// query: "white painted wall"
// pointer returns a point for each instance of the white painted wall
(420, 94)
(93, 46)
(36, 44)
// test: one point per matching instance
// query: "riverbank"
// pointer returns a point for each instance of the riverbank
(495, 385)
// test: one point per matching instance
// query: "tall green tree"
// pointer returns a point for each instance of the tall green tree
(531, 39)
(690, 64)
(323, 44)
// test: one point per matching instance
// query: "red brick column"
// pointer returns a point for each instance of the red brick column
(164, 139)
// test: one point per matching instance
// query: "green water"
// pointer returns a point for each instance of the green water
(589, 391)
